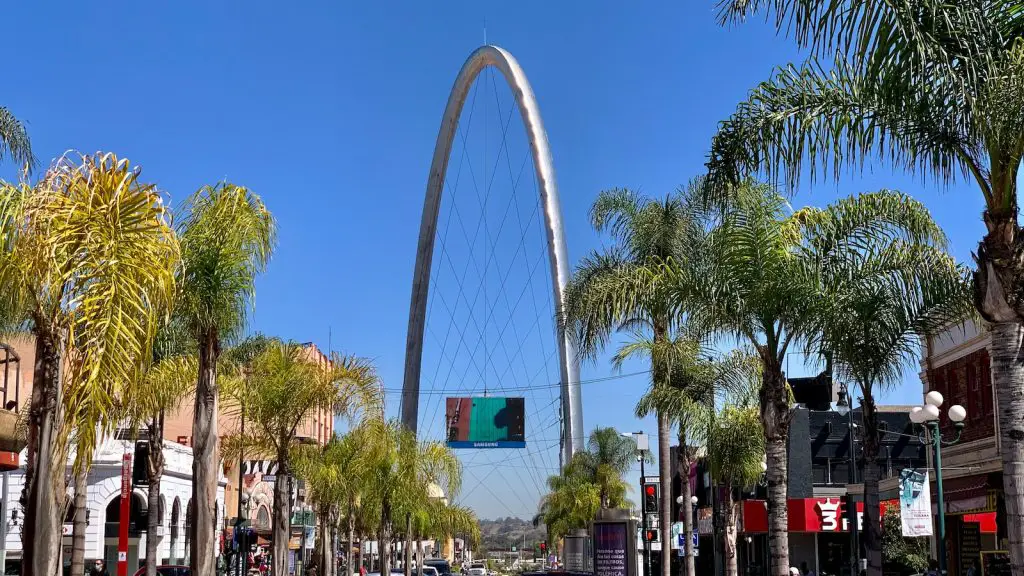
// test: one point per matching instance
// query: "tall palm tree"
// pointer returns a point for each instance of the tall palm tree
(619, 289)
(14, 140)
(736, 457)
(227, 236)
(86, 261)
(933, 88)
(755, 274)
(285, 385)
(696, 380)
(872, 328)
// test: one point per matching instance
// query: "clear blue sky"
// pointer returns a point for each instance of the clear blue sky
(330, 110)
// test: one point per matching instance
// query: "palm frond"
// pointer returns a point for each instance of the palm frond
(227, 237)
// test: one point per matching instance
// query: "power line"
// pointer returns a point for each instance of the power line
(537, 387)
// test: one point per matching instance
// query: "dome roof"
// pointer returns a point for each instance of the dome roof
(435, 491)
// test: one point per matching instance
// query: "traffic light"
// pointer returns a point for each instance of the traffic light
(651, 536)
(543, 547)
(650, 497)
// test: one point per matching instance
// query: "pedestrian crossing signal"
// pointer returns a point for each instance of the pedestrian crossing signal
(652, 536)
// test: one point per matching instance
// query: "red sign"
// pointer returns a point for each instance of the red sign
(126, 508)
(807, 515)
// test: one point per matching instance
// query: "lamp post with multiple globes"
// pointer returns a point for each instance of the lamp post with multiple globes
(927, 417)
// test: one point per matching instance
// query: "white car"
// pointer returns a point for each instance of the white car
(429, 571)
(477, 571)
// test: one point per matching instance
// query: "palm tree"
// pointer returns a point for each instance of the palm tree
(14, 141)
(736, 459)
(873, 329)
(608, 457)
(160, 392)
(934, 88)
(590, 482)
(285, 384)
(399, 478)
(336, 474)
(227, 236)
(620, 289)
(755, 274)
(696, 380)
(86, 260)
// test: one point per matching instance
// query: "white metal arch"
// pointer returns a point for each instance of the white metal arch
(571, 405)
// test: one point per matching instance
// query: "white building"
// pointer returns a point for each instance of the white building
(104, 495)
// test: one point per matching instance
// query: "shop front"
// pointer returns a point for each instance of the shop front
(972, 506)
(818, 533)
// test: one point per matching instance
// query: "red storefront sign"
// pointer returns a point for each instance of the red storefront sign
(806, 515)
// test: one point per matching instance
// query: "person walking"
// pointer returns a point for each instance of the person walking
(99, 568)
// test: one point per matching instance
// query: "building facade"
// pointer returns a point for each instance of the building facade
(956, 363)
(819, 481)
(103, 509)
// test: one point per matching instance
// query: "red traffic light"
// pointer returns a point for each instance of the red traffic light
(652, 535)
(649, 489)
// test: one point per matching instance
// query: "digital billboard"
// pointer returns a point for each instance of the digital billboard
(486, 422)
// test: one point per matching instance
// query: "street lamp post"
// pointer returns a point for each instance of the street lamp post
(693, 506)
(642, 445)
(844, 407)
(927, 417)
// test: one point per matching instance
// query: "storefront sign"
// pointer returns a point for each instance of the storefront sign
(915, 503)
(806, 515)
(611, 549)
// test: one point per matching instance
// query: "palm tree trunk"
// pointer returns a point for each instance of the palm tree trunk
(281, 518)
(79, 526)
(350, 521)
(419, 555)
(685, 463)
(774, 400)
(665, 476)
(48, 481)
(659, 374)
(729, 511)
(384, 539)
(689, 569)
(154, 471)
(871, 524)
(1008, 378)
(206, 460)
(408, 545)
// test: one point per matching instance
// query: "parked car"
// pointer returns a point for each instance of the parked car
(477, 570)
(440, 564)
(429, 570)
(167, 570)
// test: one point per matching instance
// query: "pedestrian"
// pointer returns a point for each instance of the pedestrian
(794, 571)
(975, 569)
(99, 568)
(807, 571)
(933, 568)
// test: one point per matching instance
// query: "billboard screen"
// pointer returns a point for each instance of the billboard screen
(486, 422)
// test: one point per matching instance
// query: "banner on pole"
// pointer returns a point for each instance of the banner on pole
(915, 503)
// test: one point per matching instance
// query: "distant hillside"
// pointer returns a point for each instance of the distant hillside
(503, 533)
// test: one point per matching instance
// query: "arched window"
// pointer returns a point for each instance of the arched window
(138, 517)
(175, 522)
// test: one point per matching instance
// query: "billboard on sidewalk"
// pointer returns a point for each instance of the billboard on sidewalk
(915, 503)
(486, 422)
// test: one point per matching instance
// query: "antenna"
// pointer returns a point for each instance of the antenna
(485, 30)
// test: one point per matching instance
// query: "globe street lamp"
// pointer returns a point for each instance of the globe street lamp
(844, 407)
(927, 417)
